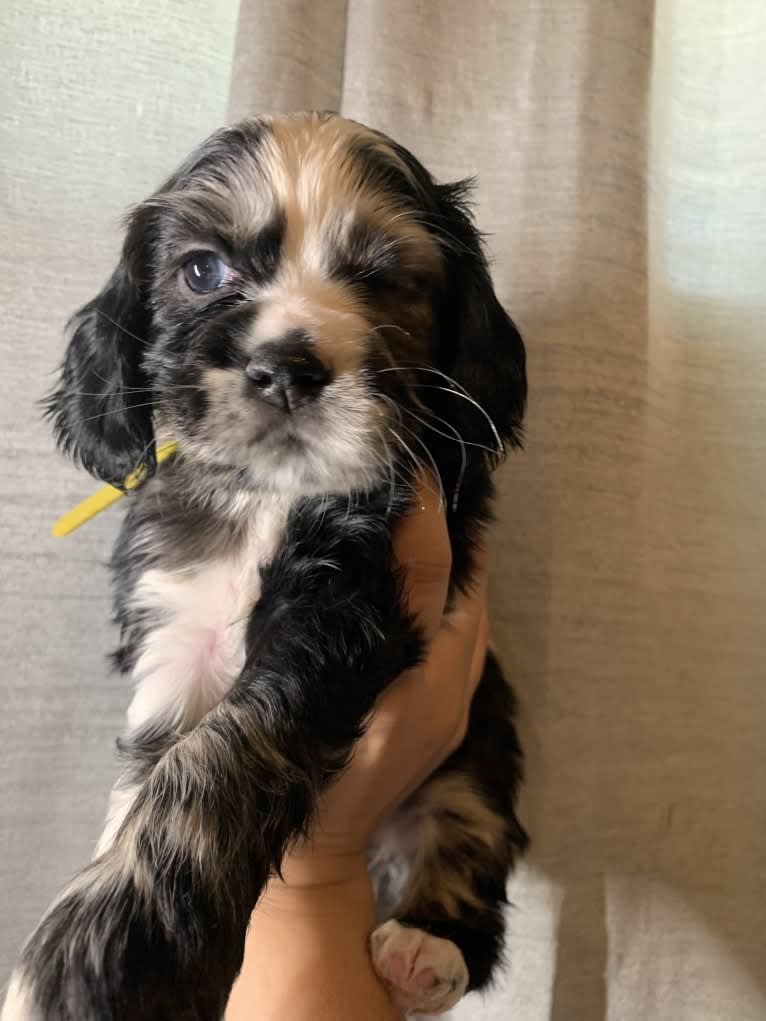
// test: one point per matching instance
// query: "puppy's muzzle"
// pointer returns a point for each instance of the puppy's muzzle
(287, 373)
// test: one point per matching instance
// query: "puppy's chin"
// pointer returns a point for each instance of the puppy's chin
(295, 468)
(336, 444)
(290, 459)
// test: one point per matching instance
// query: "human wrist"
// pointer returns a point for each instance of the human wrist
(306, 873)
(306, 954)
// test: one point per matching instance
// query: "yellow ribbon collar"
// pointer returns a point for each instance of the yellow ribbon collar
(106, 496)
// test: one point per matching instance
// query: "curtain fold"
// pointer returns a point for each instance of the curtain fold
(288, 55)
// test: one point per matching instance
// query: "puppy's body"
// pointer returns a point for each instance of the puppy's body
(184, 598)
(311, 317)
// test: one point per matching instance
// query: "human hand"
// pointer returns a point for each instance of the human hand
(418, 721)
(311, 928)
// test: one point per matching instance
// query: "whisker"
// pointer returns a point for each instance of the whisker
(418, 462)
(393, 475)
(456, 389)
(119, 326)
(109, 393)
(391, 326)
(391, 479)
(463, 456)
(500, 450)
(407, 483)
(404, 446)
(142, 455)
(132, 390)
(117, 411)
(459, 437)
(98, 375)
(427, 368)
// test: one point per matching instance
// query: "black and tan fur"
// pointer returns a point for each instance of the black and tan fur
(259, 613)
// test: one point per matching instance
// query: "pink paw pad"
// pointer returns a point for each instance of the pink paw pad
(426, 975)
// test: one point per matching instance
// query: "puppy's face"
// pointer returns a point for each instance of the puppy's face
(285, 272)
(284, 308)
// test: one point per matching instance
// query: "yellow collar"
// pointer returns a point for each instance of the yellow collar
(106, 496)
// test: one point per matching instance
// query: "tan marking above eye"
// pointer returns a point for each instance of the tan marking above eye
(309, 164)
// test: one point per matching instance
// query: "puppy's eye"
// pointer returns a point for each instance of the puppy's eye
(206, 272)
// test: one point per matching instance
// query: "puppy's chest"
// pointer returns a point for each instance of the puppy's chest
(194, 647)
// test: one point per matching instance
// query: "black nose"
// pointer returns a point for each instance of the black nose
(287, 373)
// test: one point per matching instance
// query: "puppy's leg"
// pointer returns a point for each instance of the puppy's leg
(151, 732)
(461, 837)
(154, 928)
(182, 653)
(141, 748)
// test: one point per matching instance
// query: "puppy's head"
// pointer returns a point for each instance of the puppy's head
(299, 304)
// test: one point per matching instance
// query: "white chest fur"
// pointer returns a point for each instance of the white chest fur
(196, 650)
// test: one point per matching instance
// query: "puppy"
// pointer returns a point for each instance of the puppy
(311, 317)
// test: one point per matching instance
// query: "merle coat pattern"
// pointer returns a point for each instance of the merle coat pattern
(315, 237)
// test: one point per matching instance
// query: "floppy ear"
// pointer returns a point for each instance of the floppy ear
(480, 346)
(485, 353)
(101, 408)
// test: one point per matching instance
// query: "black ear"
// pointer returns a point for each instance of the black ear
(101, 408)
(479, 345)
(485, 353)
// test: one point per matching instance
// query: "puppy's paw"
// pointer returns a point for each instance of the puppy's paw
(426, 975)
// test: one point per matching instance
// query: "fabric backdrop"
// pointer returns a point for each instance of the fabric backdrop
(621, 153)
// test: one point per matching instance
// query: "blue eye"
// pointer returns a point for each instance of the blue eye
(205, 272)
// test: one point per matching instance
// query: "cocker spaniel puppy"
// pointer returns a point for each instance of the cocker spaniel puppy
(310, 316)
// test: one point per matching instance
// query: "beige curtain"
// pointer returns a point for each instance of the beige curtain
(621, 154)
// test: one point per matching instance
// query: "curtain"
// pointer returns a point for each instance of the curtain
(620, 149)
